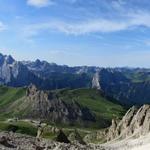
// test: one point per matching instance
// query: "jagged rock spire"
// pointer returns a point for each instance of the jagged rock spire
(31, 90)
(135, 122)
(96, 81)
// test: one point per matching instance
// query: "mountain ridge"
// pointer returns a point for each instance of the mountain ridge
(79, 107)
(129, 86)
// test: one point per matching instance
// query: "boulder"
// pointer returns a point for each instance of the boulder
(62, 138)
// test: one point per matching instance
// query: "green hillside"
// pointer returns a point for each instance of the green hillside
(19, 127)
(104, 109)
(8, 96)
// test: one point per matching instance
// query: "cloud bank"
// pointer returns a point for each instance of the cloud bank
(39, 3)
(99, 25)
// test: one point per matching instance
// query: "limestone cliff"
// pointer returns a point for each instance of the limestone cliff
(136, 122)
(95, 81)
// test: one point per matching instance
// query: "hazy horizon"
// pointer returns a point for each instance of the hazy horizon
(33, 60)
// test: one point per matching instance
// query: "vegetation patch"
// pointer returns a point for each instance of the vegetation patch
(19, 127)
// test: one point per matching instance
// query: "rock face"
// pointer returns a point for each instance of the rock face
(95, 81)
(14, 73)
(47, 106)
(136, 122)
(124, 86)
(75, 137)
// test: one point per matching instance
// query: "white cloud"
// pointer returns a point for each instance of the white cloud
(39, 3)
(100, 25)
(2, 27)
(75, 28)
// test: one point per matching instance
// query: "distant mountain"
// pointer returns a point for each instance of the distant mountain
(14, 73)
(121, 85)
(42, 74)
(127, 85)
(45, 69)
(61, 76)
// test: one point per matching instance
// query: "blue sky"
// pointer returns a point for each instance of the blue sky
(105, 33)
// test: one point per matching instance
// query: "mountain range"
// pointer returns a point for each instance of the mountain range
(128, 86)
(37, 95)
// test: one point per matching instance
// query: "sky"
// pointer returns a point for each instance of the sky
(106, 33)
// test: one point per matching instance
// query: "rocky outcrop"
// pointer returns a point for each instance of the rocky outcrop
(6, 62)
(14, 141)
(99, 136)
(75, 137)
(46, 105)
(96, 81)
(62, 138)
(5, 141)
(136, 122)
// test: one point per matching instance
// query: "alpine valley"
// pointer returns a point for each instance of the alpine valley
(58, 104)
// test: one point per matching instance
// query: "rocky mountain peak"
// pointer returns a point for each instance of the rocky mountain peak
(46, 105)
(1, 56)
(136, 122)
(32, 89)
(96, 81)
(9, 59)
(38, 62)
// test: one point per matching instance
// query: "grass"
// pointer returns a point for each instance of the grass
(13, 98)
(94, 100)
(19, 127)
(12, 104)
(49, 135)
(9, 95)
(104, 109)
